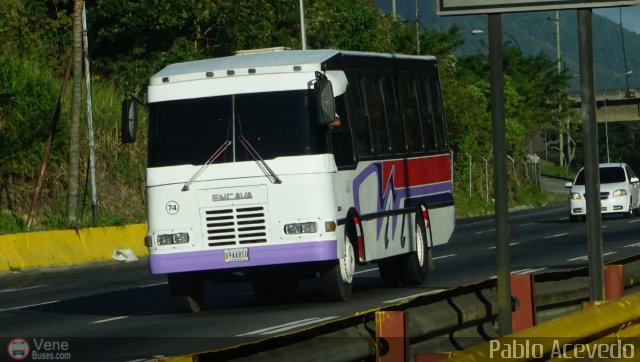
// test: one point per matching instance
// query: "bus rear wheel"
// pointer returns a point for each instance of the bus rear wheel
(413, 269)
(187, 292)
(337, 278)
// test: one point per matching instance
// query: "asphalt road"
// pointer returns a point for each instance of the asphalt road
(119, 312)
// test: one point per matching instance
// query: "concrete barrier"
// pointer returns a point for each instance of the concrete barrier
(562, 334)
(61, 247)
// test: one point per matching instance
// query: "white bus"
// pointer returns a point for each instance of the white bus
(250, 176)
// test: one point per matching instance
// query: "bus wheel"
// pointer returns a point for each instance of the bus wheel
(413, 269)
(187, 292)
(337, 278)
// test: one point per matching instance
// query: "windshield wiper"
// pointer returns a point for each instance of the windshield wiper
(256, 157)
(211, 159)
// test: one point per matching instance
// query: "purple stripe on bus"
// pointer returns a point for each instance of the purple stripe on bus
(397, 194)
(258, 255)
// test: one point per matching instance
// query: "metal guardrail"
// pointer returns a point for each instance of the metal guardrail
(454, 319)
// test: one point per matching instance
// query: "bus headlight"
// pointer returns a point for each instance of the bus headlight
(169, 239)
(301, 228)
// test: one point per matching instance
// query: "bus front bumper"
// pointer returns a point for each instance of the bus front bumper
(272, 254)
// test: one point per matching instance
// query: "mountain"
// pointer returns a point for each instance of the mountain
(535, 32)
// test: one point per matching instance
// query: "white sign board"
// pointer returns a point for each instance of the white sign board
(464, 7)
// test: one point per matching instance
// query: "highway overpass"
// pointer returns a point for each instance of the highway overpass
(613, 105)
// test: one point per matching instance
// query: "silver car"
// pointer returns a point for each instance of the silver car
(619, 189)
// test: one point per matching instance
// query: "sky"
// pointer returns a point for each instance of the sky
(630, 16)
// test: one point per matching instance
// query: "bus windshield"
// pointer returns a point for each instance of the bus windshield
(276, 124)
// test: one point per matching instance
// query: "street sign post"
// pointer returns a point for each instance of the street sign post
(466, 7)
(494, 9)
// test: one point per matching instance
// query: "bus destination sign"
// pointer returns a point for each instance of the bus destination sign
(465, 7)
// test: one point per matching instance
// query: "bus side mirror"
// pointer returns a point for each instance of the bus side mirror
(129, 124)
(326, 109)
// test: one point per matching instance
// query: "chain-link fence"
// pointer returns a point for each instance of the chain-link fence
(474, 173)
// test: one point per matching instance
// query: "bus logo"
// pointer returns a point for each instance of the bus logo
(232, 196)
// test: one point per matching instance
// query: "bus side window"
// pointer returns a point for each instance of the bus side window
(438, 114)
(358, 117)
(341, 143)
(394, 120)
(375, 110)
(408, 98)
(426, 114)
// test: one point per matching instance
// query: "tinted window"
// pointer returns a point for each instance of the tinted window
(341, 144)
(275, 123)
(408, 99)
(607, 175)
(426, 114)
(375, 110)
(358, 117)
(394, 120)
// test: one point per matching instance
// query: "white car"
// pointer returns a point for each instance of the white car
(619, 191)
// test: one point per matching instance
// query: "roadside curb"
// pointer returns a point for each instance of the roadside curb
(63, 247)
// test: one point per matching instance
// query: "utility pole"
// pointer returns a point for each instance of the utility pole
(92, 156)
(74, 125)
(303, 34)
(417, 27)
(500, 174)
(591, 169)
(560, 136)
(393, 8)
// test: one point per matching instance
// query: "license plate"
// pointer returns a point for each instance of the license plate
(234, 255)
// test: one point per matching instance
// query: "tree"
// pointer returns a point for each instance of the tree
(74, 127)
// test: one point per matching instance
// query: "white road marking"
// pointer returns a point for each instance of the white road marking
(21, 289)
(29, 305)
(555, 236)
(527, 224)
(522, 271)
(510, 244)
(445, 256)
(528, 270)
(585, 257)
(287, 326)
(632, 245)
(365, 271)
(109, 319)
(485, 231)
(634, 220)
(413, 296)
(564, 218)
(152, 285)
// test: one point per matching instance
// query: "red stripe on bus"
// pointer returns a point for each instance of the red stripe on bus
(417, 171)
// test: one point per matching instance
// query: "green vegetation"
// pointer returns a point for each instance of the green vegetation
(551, 169)
(129, 41)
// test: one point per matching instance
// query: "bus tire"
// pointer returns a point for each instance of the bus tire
(187, 292)
(337, 278)
(413, 269)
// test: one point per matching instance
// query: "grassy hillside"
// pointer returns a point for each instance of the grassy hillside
(120, 169)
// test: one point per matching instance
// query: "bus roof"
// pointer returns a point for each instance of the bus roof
(267, 62)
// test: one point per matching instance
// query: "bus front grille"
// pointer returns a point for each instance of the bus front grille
(239, 225)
